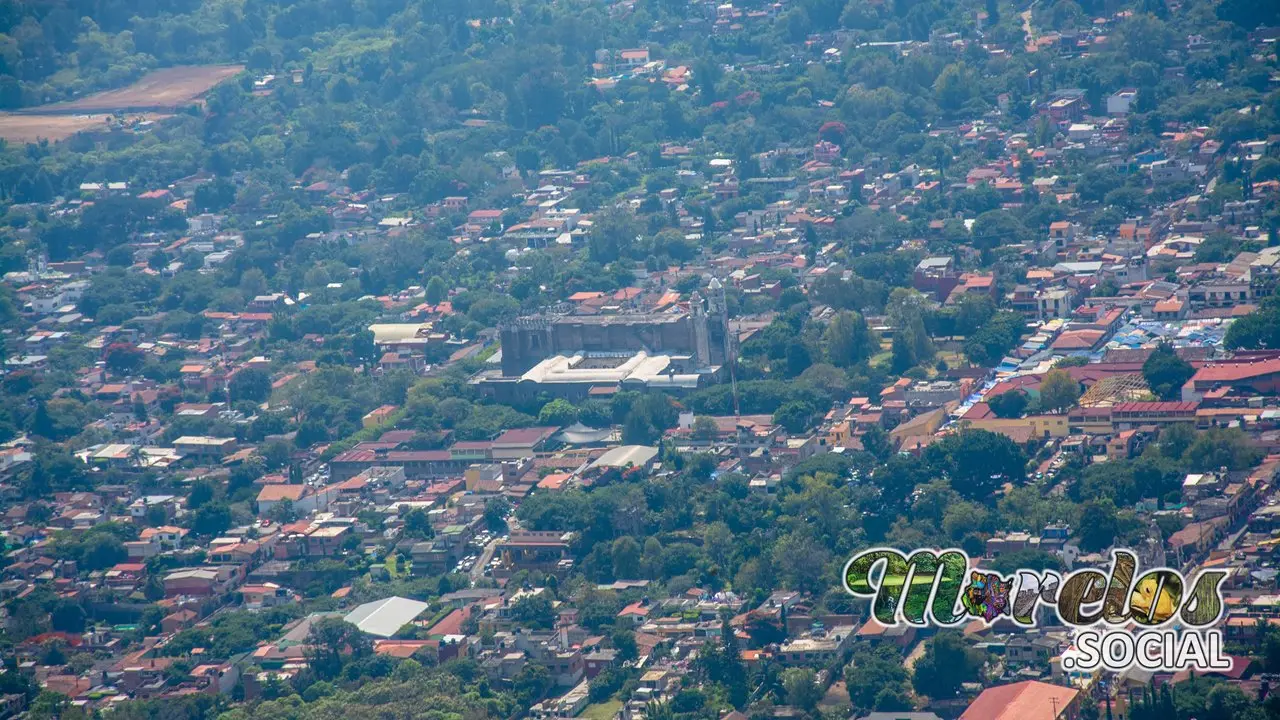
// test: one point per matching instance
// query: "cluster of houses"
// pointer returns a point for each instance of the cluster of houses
(1104, 301)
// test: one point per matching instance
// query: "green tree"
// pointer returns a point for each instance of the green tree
(283, 512)
(310, 432)
(211, 519)
(956, 84)
(496, 511)
(613, 235)
(795, 416)
(1222, 448)
(898, 477)
(802, 689)
(801, 560)
(330, 641)
(275, 454)
(996, 228)
(558, 412)
(626, 558)
(1009, 404)
(877, 442)
(637, 430)
(250, 383)
(848, 340)
(437, 290)
(974, 312)
(124, 359)
(67, 616)
(215, 195)
(535, 611)
(995, 338)
(418, 524)
(531, 683)
(705, 428)
(1058, 390)
(948, 663)
(1174, 439)
(798, 358)
(902, 354)
(1099, 533)
(978, 462)
(624, 641)
(1166, 373)
(253, 282)
(364, 349)
(202, 492)
(877, 681)
(1010, 562)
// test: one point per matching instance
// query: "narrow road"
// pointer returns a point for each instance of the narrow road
(477, 570)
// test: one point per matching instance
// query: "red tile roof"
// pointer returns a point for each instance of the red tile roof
(1024, 382)
(554, 481)
(1230, 372)
(635, 608)
(1078, 339)
(979, 411)
(402, 648)
(1030, 700)
(524, 436)
(451, 624)
(281, 492)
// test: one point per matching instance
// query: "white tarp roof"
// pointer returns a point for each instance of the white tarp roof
(384, 617)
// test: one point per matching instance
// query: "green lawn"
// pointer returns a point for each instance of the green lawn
(602, 711)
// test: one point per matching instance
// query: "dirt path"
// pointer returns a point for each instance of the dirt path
(1028, 30)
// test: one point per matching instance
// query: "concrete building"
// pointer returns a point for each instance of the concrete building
(201, 581)
(932, 394)
(573, 355)
(205, 448)
(818, 648)
(1121, 102)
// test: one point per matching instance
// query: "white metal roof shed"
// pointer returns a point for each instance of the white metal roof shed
(384, 617)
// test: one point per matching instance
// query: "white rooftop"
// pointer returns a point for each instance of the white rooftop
(593, 368)
(625, 455)
(385, 617)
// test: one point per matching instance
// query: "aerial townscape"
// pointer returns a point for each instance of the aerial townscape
(400, 359)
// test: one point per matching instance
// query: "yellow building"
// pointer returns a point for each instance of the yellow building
(1031, 427)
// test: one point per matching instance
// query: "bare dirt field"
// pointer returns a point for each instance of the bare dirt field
(159, 90)
(32, 128)
(148, 98)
